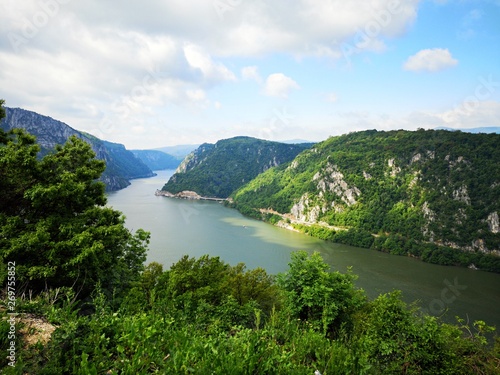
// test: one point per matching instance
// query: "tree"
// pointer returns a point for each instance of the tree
(253, 285)
(208, 290)
(2, 109)
(325, 299)
(202, 278)
(53, 222)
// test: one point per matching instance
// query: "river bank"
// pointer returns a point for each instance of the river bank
(187, 194)
(430, 252)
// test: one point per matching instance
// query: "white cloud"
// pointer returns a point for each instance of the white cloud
(472, 114)
(251, 73)
(196, 95)
(307, 27)
(211, 71)
(87, 62)
(466, 115)
(279, 85)
(111, 47)
(431, 60)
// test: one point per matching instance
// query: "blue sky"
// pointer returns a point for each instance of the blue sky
(155, 73)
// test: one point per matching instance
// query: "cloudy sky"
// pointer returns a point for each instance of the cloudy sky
(153, 73)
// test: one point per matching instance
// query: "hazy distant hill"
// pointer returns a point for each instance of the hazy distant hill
(216, 170)
(485, 129)
(428, 194)
(179, 151)
(296, 141)
(121, 164)
(157, 160)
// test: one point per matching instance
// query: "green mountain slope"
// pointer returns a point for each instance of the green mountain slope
(400, 191)
(121, 164)
(216, 170)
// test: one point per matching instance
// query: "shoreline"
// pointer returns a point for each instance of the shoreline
(187, 194)
(321, 230)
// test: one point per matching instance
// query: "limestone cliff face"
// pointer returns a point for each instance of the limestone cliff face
(195, 158)
(121, 164)
(331, 179)
(333, 192)
(493, 222)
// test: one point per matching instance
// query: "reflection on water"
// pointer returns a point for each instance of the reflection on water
(180, 227)
(272, 235)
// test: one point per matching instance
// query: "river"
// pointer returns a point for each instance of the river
(195, 228)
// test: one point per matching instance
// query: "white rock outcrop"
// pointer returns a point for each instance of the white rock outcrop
(415, 158)
(462, 195)
(493, 222)
(429, 216)
(394, 168)
(302, 211)
(332, 180)
(328, 180)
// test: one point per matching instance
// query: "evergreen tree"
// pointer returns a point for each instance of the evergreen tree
(53, 222)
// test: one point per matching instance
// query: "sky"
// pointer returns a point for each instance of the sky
(156, 73)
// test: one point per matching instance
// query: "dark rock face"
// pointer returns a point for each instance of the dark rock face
(121, 164)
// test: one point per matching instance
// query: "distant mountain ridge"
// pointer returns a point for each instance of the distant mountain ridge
(296, 141)
(178, 151)
(484, 129)
(157, 160)
(121, 164)
(216, 170)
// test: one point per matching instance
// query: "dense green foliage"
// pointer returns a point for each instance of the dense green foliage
(205, 317)
(218, 170)
(157, 160)
(415, 191)
(53, 223)
(326, 300)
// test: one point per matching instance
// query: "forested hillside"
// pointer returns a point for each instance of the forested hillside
(216, 170)
(406, 192)
(121, 164)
